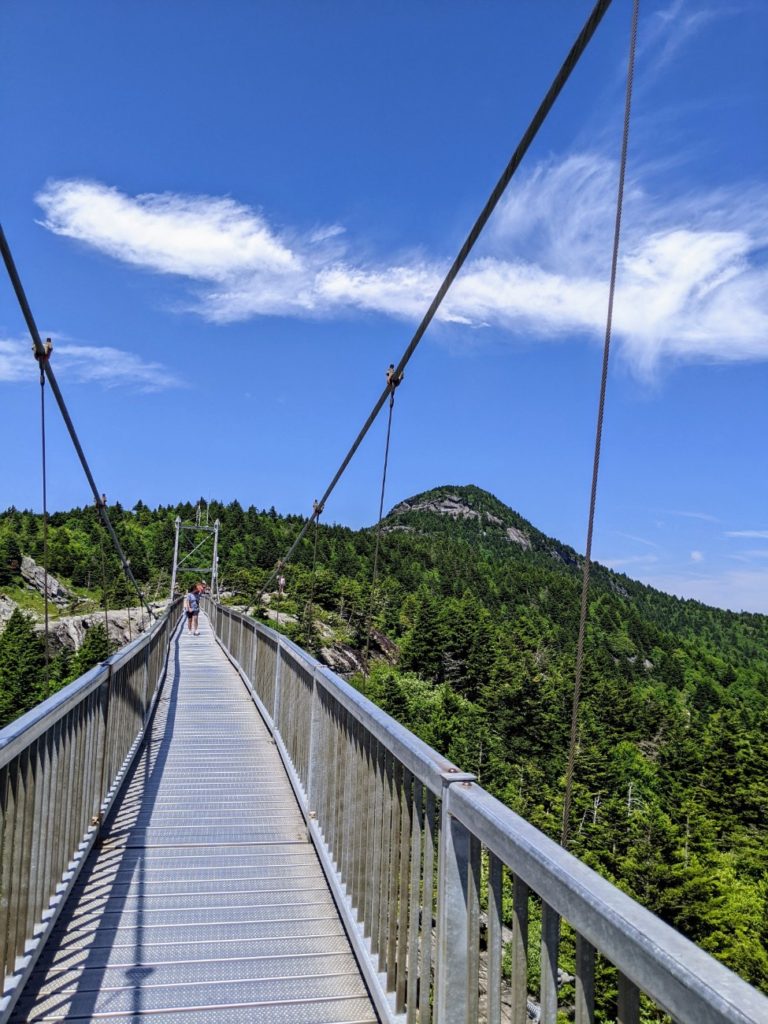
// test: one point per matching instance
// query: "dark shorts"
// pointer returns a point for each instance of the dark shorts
(190, 614)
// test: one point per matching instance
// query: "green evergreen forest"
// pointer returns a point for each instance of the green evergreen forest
(472, 627)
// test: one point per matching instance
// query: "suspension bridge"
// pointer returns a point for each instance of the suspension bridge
(218, 828)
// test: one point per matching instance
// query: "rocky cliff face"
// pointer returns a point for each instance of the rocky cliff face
(455, 507)
(34, 576)
(123, 624)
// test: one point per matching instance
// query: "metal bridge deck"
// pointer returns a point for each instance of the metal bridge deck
(205, 901)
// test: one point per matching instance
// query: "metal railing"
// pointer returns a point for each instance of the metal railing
(421, 861)
(61, 765)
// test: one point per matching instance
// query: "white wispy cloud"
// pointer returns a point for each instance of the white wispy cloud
(620, 563)
(697, 556)
(759, 534)
(202, 237)
(693, 281)
(704, 516)
(636, 539)
(750, 555)
(16, 361)
(669, 29)
(102, 364)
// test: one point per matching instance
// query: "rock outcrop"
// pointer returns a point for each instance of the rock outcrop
(453, 506)
(343, 660)
(68, 632)
(34, 575)
(448, 505)
(518, 537)
(7, 608)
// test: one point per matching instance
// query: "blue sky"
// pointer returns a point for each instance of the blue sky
(231, 216)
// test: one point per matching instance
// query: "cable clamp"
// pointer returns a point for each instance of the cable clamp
(317, 508)
(394, 379)
(46, 353)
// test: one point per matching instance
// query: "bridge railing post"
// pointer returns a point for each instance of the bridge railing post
(457, 915)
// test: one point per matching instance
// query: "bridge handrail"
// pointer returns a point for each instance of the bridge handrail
(61, 764)
(394, 818)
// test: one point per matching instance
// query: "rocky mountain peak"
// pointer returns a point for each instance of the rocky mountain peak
(467, 503)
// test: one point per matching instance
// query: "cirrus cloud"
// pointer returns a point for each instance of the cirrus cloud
(692, 279)
(84, 364)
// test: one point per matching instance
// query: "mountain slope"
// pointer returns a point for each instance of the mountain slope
(474, 621)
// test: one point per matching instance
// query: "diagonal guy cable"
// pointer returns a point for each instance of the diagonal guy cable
(546, 105)
(45, 363)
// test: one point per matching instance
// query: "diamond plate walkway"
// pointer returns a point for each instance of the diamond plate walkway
(205, 902)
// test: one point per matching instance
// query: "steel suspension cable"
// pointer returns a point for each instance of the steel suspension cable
(104, 597)
(598, 436)
(39, 350)
(529, 135)
(41, 359)
(310, 604)
(393, 384)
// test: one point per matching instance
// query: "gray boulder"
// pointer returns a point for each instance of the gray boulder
(34, 575)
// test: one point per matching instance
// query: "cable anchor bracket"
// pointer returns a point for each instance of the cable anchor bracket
(45, 355)
(394, 379)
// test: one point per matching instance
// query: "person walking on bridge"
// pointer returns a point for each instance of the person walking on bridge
(192, 608)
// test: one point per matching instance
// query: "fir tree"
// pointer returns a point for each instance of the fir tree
(22, 667)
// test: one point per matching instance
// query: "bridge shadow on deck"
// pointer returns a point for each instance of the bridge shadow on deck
(204, 901)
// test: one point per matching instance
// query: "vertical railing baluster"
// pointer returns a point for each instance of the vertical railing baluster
(49, 812)
(78, 817)
(55, 807)
(332, 806)
(628, 1008)
(519, 952)
(36, 851)
(42, 880)
(394, 874)
(585, 981)
(345, 796)
(376, 796)
(425, 989)
(550, 944)
(277, 691)
(415, 904)
(314, 766)
(406, 826)
(495, 877)
(25, 881)
(20, 800)
(473, 928)
(360, 823)
(252, 669)
(8, 804)
(380, 854)
(385, 843)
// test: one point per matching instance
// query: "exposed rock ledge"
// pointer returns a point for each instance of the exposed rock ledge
(452, 506)
(34, 575)
(69, 631)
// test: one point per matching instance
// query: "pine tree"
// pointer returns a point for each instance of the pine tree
(22, 665)
(94, 648)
